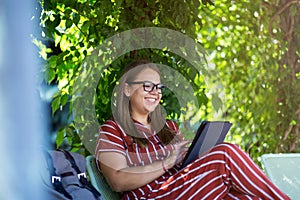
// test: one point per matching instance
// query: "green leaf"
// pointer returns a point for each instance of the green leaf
(56, 21)
(60, 137)
(76, 18)
(49, 75)
(68, 23)
(55, 104)
(52, 61)
(64, 99)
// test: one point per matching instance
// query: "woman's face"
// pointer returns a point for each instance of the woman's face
(143, 102)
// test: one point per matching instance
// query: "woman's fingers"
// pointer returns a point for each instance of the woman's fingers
(181, 150)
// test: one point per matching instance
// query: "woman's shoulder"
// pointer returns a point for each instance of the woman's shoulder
(109, 126)
(113, 131)
(109, 122)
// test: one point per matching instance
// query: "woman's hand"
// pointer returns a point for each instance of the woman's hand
(180, 149)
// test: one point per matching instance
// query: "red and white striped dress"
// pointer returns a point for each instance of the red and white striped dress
(225, 172)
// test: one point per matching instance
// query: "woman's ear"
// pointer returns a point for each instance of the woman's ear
(127, 90)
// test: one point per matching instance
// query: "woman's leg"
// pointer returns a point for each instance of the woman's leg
(225, 172)
(241, 174)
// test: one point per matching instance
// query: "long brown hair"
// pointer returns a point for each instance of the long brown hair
(121, 105)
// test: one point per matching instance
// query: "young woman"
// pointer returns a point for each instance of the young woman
(139, 152)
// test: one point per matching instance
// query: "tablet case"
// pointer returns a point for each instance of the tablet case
(207, 136)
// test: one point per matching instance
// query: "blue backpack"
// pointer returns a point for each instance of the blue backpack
(65, 177)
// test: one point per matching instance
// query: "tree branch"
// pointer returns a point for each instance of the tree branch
(290, 31)
(278, 12)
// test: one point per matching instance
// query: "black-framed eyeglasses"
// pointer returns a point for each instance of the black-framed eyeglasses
(149, 86)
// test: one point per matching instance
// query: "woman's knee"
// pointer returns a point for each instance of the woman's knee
(225, 146)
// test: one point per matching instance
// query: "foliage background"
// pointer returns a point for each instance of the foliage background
(253, 46)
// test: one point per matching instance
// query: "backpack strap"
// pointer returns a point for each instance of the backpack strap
(55, 179)
(81, 175)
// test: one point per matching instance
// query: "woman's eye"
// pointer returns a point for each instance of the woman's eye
(148, 85)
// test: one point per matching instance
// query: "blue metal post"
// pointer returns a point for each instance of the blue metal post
(21, 129)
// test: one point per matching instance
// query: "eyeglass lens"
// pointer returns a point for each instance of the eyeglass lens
(149, 87)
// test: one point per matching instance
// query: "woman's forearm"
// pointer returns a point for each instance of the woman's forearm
(130, 178)
(124, 178)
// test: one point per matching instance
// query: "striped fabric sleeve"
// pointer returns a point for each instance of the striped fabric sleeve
(110, 138)
(174, 126)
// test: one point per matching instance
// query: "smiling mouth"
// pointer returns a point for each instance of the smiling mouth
(151, 99)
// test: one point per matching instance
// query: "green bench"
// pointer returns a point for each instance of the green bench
(284, 172)
(98, 180)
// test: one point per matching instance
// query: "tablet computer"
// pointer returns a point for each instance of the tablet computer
(207, 136)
